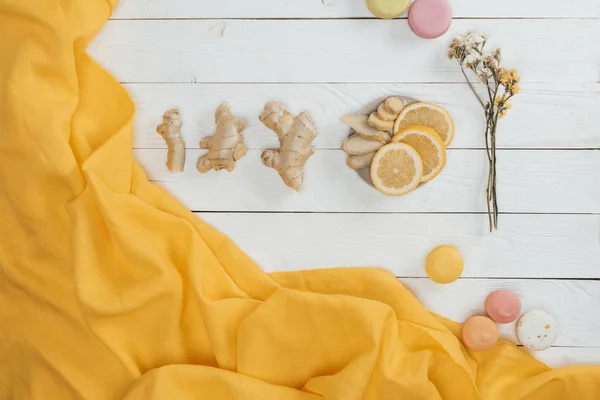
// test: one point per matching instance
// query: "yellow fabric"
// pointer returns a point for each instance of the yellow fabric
(111, 289)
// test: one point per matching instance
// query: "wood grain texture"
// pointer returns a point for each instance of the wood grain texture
(527, 246)
(339, 220)
(557, 357)
(574, 304)
(545, 115)
(530, 181)
(343, 9)
(335, 50)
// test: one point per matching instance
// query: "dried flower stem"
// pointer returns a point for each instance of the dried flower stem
(468, 50)
(490, 145)
(472, 87)
(492, 196)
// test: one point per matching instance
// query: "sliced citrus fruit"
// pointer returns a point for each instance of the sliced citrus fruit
(430, 115)
(430, 147)
(396, 169)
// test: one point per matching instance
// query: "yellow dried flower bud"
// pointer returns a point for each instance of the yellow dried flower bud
(506, 77)
(515, 89)
(499, 102)
(507, 106)
(502, 114)
(515, 75)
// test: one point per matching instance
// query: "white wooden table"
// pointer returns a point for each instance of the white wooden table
(330, 58)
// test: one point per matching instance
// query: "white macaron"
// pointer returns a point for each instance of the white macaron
(537, 330)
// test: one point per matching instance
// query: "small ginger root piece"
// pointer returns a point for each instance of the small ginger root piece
(386, 114)
(170, 130)
(295, 137)
(360, 162)
(379, 123)
(226, 146)
(356, 145)
(358, 122)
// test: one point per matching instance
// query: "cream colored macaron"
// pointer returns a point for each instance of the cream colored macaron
(388, 9)
(537, 330)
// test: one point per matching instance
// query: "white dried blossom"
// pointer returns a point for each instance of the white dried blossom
(484, 74)
(458, 41)
(474, 39)
(473, 58)
(457, 49)
(490, 61)
(497, 53)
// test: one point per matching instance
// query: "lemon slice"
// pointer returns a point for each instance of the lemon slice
(396, 169)
(430, 115)
(430, 147)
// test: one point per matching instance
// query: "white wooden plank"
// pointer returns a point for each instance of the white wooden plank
(335, 50)
(533, 181)
(343, 8)
(557, 357)
(574, 304)
(526, 246)
(549, 115)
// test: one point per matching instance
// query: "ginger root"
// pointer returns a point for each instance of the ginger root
(358, 122)
(371, 132)
(362, 146)
(226, 146)
(170, 130)
(361, 161)
(295, 137)
(356, 145)
(386, 114)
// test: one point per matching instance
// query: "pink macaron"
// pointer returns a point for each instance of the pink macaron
(430, 19)
(503, 306)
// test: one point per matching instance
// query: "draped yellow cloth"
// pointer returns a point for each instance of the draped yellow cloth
(111, 289)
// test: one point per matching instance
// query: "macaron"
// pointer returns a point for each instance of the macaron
(537, 330)
(479, 333)
(503, 306)
(444, 264)
(430, 19)
(388, 9)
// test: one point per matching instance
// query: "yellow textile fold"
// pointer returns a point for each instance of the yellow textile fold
(111, 289)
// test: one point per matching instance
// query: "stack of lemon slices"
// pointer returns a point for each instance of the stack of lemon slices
(417, 153)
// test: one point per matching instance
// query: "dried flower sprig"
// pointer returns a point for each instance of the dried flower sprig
(501, 85)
